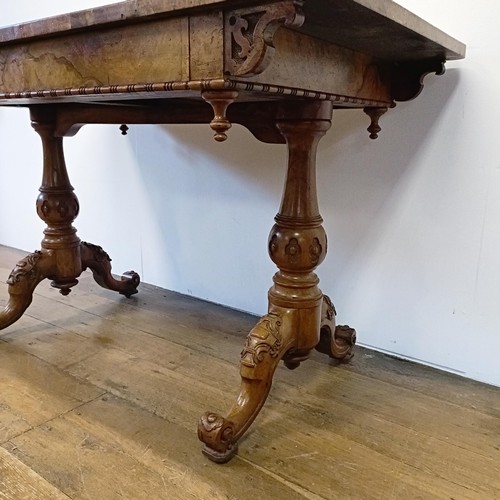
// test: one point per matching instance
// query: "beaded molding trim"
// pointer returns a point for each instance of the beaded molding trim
(196, 85)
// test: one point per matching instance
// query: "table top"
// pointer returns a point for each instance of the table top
(355, 52)
(380, 27)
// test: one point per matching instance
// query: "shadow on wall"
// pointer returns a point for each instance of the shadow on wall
(224, 196)
(212, 206)
(355, 174)
(240, 156)
(358, 178)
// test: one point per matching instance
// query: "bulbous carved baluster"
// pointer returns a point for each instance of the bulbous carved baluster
(267, 343)
(22, 281)
(99, 262)
(336, 341)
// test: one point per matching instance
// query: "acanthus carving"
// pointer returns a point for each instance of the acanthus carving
(98, 254)
(99, 262)
(329, 311)
(264, 339)
(249, 35)
(25, 269)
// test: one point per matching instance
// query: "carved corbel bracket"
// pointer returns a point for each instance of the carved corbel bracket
(407, 81)
(249, 35)
(408, 77)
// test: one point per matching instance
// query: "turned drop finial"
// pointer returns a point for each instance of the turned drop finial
(220, 101)
(374, 114)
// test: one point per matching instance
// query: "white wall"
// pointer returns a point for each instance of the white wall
(413, 218)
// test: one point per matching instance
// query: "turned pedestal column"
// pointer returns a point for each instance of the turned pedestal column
(63, 256)
(299, 314)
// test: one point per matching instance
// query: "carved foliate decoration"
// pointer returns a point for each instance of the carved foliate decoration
(328, 308)
(265, 339)
(25, 269)
(249, 35)
(98, 254)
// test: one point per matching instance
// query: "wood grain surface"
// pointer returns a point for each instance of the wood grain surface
(100, 395)
(332, 20)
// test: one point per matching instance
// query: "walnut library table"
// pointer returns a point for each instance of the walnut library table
(277, 67)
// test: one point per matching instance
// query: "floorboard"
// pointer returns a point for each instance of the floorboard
(100, 397)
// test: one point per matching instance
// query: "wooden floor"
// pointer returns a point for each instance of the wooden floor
(100, 397)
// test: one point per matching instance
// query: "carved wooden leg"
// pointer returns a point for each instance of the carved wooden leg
(297, 245)
(63, 257)
(267, 343)
(336, 341)
(58, 206)
(22, 282)
(99, 262)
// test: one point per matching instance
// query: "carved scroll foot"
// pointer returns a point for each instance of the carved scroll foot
(336, 341)
(22, 282)
(99, 262)
(266, 344)
(217, 433)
